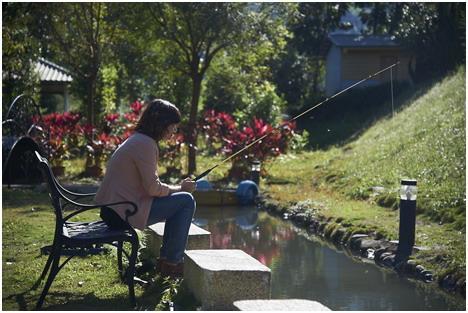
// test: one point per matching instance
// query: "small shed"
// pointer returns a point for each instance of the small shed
(352, 57)
(55, 80)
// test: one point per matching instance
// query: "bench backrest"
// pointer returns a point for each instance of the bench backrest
(57, 198)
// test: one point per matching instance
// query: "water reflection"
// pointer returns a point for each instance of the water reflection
(303, 266)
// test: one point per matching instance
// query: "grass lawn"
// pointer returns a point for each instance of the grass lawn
(90, 283)
(446, 244)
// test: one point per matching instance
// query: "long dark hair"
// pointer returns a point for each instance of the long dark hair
(156, 118)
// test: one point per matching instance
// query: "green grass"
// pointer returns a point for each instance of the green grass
(28, 224)
(425, 141)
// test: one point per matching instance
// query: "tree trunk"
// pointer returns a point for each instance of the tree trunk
(90, 99)
(192, 133)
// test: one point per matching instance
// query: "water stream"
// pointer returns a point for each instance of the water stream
(303, 266)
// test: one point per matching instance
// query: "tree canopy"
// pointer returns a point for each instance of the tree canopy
(248, 59)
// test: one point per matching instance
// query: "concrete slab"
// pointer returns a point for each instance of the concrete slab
(219, 277)
(279, 305)
(198, 239)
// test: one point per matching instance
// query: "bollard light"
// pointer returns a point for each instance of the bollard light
(408, 194)
(255, 172)
(408, 189)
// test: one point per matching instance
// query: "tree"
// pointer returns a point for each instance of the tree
(196, 33)
(434, 32)
(79, 34)
(240, 80)
(300, 71)
(144, 65)
(19, 52)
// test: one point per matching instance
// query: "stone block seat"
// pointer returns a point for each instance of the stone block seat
(198, 239)
(279, 305)
(219, 277)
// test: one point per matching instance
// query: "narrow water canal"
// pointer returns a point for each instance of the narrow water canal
(303, 266)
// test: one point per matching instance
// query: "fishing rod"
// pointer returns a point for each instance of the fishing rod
(294, 118)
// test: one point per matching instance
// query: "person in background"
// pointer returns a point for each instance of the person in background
(132, 175)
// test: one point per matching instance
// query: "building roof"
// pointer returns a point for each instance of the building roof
(51, 72)
(362, 41)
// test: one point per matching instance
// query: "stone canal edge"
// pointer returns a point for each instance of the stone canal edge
(368, 246)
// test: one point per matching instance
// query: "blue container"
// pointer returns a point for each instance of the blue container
(203, 184)
(246, 192)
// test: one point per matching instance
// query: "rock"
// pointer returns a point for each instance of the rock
(321, 226)
(419, 268)
(378, 253)
(219, 277)
(365, 244)
(301, 218)
(198, 239)
(386, 259)
(417, 249)
(280, 305)
(448, 283)
(378, 189)
(424, 275)
(355, 241)
(313, 227)
(338, 235)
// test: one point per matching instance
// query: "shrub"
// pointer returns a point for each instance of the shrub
(223, 135)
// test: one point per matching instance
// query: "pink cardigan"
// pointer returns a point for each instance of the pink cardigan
(131, 175)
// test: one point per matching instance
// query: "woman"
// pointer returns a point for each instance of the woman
(132, 175)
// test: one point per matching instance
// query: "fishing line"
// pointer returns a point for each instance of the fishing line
(391, 90)
(296, 117)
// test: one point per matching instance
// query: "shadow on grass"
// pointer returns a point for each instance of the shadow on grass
(68, 301)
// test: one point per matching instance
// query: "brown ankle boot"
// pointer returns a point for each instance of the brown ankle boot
(159, 261)
(172, 270)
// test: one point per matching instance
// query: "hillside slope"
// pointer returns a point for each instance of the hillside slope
(425, 140)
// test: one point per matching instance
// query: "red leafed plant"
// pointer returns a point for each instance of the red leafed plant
(62, 140)
(170, 153)
(224, 136)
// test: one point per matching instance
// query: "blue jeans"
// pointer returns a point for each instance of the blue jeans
(177, 210)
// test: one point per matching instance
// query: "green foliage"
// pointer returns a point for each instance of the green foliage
(19, 51)
(240, 80)
(299, 141)
(262, 102)
(79, 36)
(434, 32)
(300, 72)
(109, 96)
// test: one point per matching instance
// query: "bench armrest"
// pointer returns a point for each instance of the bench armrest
(87, 207)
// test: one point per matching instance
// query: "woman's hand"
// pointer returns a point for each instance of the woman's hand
(188, 185)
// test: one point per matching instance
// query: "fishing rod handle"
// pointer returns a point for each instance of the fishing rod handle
(203, 174)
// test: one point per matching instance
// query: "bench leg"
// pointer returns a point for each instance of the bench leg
(131, 272)
(44, 271)
(53, 272)
(119, 258)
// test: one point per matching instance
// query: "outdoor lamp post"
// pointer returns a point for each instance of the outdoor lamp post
(255, 172)
(408, 191)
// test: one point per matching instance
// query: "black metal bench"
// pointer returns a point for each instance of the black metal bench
(22, 134)
(84, 234)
